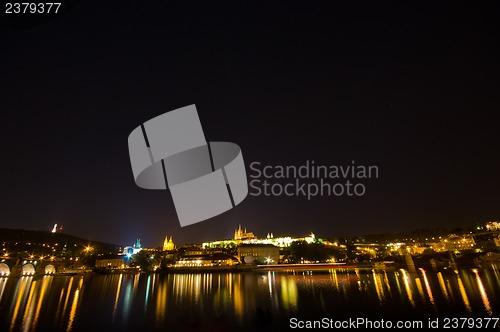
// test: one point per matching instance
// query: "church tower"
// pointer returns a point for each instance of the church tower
(168, 244)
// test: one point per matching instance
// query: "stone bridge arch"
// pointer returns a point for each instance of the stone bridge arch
(28, 269)
(50, 269)
(18, 267)
(4, 270)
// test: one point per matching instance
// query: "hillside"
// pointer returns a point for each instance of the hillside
(48, 243)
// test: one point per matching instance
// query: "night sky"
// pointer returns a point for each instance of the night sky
(411, 88)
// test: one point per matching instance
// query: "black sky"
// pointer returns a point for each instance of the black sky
(409, 87)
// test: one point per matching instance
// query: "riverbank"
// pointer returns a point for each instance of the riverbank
(267, 267)
(203, 269)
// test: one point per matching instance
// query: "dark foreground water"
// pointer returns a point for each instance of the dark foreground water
(264, 300)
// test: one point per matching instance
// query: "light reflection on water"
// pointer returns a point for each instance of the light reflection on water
(243, 300)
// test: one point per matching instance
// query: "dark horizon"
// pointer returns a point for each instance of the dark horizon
(407, 87)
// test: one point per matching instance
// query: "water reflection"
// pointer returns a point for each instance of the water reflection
(406, 281)
(31, 323)
(3, 282)
(74, 304)
(289, 293)
(117, 296)
(20, 295)
(427, 286)
(443, 286)
(482, 291)
(463, 293)
(226, 300)
(161, 301)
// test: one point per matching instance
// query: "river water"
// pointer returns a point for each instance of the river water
(259, 300)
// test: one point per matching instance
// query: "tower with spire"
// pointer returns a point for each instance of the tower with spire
(168, 244)
(242, 234)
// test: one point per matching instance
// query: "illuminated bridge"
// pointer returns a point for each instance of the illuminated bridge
(31, 267)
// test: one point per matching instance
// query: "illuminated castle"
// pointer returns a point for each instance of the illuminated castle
(168, 244)
(240, 234)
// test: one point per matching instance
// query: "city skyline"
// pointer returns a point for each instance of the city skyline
(242, 233)
(406, 89)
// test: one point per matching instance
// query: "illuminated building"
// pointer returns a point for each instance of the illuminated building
(261, 253)
(115, 263)
(310, 239)
(240, 234)
(217, 259)
(132, 250)
(168, 244)
(248, 240)
(194, 251)
(370, 249)
(219, 244)
(454, 243)
(493, 226)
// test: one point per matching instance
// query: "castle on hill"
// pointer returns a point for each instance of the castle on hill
(240, 234)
